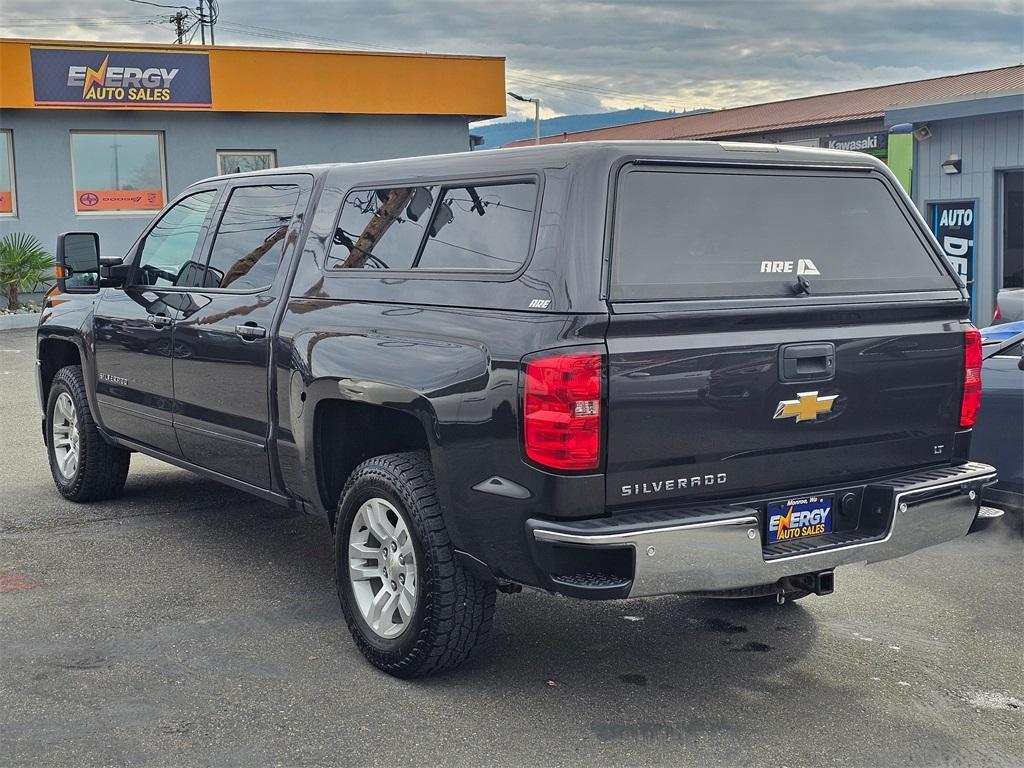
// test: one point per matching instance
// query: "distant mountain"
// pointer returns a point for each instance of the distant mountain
(498, 134)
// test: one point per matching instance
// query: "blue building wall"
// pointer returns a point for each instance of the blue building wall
(42, 155)
(988, 145)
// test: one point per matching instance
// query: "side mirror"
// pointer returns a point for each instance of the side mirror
(442, 218)
(419, 204)
(78, 262)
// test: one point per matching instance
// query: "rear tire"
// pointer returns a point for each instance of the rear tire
(411, 607)
(85, 467)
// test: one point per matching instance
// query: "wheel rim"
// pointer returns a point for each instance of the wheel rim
(382, 568)
(66, 439)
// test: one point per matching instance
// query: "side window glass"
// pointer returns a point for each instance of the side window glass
(481, 228)
(249, 241)
(381, 228)
(166, 257)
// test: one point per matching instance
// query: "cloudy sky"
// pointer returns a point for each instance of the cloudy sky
(586, 56)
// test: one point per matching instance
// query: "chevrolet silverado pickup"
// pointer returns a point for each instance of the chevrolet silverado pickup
(604, 370)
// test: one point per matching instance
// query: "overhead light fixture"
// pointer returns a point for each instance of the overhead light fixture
(922, 133)
(952, 165)
(536, 113)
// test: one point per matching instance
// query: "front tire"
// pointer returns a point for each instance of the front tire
(411, 607)
(85, 467)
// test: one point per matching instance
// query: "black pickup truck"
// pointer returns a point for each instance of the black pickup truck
(604, 370)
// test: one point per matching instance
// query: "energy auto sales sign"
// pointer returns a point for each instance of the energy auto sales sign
(119, 78)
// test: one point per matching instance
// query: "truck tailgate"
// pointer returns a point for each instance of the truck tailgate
(710, 414)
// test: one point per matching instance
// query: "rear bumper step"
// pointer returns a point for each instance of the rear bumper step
(719, 547)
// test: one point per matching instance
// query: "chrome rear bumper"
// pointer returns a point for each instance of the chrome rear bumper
(720, 548)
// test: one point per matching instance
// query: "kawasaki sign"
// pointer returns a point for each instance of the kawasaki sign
(113, 78)
(872, 143)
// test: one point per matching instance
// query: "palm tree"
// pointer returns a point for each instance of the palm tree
(24, 263)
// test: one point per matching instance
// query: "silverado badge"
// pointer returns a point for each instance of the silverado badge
(807, 406)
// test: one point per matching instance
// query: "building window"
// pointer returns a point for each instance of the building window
(8, 204)
(118, 172)
(245, 160)
(1013, 229)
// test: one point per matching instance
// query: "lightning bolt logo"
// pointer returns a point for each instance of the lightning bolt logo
(95, 76)
(784, 520)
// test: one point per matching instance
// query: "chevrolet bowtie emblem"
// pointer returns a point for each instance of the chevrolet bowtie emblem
(807, 406)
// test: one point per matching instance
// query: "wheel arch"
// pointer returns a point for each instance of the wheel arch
(54, 353)
(347, 432)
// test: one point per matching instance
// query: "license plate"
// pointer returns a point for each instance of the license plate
(799, 518)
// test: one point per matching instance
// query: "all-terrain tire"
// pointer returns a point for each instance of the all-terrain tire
(102, 468)
(454, 609)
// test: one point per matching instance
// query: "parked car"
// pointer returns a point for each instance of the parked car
(999, 432)
(604, 370)
(1009, 306)
(996, 334)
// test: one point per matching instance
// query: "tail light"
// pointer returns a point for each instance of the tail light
(997, 315)
(971, 401)
(562, 411)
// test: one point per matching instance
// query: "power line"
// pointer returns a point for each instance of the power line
(253, 30)
(82, 21)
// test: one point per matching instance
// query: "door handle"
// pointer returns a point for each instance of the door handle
(807, 362)
(250, 331)
(158, 321)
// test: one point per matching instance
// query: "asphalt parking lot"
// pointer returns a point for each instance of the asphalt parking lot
(189, 624)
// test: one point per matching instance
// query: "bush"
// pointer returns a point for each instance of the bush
(24, 264)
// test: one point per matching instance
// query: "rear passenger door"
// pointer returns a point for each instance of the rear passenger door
(222, 341)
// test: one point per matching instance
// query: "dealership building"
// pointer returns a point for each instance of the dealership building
(956, 143)
(98, 137)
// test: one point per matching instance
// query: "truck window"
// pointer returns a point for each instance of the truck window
(481, 228)
(716, 233)
(381, 228)
(478, 228)
(166, 257)
(249, 241)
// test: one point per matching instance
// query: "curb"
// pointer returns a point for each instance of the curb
(25, 320)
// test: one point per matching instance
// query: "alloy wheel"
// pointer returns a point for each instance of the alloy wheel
(382, 568)
(65, 435)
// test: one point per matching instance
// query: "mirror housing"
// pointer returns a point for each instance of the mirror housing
(114, 272)
(78, 262)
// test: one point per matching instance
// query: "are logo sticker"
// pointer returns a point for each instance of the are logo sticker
(803, 267)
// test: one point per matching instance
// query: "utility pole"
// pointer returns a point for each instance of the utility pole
(178, 20)
(536, 113)
(117, 166)
(202, 21)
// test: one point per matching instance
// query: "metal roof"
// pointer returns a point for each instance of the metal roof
(841, 107)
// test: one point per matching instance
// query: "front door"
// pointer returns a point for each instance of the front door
(222, 339)
(133, 328)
